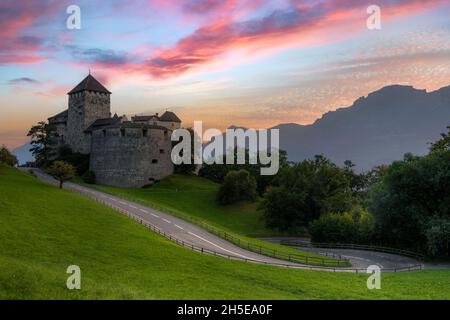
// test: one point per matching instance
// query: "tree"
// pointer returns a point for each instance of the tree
(443, 143)
(7, 157)
(78, 160)
(237, 186)
(61, 171)
(305, 191)
(355, 226)
(187, 168)
(358, 182)
(217, 172)
(44, 140)
(438, 236)
(413, 193)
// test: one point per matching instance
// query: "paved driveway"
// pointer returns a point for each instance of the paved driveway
(192, 234)
(361, 259)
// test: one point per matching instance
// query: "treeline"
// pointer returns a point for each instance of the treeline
(404, 205)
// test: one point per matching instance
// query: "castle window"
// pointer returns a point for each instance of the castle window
(161, 151)
(122, 132)
(155, 161)
(104, 133)
(145, 132)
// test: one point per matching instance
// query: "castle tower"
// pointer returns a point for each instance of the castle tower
(88, 101)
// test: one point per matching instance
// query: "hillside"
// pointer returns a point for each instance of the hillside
(376, 129)
(195, 197)
(45, 229)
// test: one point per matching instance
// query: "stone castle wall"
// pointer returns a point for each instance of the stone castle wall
(84, 108)
(130, 157)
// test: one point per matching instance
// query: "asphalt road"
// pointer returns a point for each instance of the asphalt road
(361, 259)
(177, 228)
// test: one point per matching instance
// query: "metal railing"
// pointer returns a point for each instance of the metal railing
(231, 257)
(300, 243)
(242, 244)
(334, 260)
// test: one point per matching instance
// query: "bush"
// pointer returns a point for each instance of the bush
(237, 186)
(79, 161)
(438, 237)
(304, 192)
(7, 157)
(413, 193)
(349, 227)
(61, 171)
(88, 177)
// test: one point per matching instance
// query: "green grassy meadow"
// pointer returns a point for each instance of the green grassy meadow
(43, 230)
(194, 198)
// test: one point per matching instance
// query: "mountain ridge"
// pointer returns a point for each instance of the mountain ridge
(376, 129)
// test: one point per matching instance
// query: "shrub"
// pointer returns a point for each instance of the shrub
(237, 186)
(304, 192)
(349, 227)
(88, 177)
(438, 237)
(79, 161)
(7, 157)
(61, 171)
(413, 193)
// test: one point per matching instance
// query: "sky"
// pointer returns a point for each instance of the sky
(248, 63)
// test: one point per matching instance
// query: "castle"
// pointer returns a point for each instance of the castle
(122, 153)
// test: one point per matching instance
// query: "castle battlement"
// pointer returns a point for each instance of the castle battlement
(122, 153)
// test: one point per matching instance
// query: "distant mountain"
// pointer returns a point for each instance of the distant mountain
(23, 153)
(376, 129)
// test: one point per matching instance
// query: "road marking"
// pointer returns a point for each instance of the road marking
(155, 215)
(178, 227)
(133, 206)
(122, 202)
(167, 220)
(240, 255)
(144, 210)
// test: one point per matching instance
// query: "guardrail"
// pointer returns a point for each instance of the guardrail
(259, 249)
(300, 243)
(215, 253)
(332, 260)
(336, 260)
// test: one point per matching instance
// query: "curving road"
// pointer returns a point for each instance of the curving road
(177, 228)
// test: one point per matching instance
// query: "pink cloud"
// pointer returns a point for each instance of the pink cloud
(16, 18)
(302, 25)
(224, 33)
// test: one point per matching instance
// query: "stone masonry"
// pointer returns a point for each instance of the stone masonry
(122, 153)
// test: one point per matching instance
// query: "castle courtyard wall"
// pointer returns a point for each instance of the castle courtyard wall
(130, 157)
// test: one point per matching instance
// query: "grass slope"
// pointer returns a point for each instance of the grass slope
(43, 230)
(194, 198)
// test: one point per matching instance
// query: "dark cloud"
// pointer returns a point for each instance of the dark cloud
(23, 80)
(98, 56)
